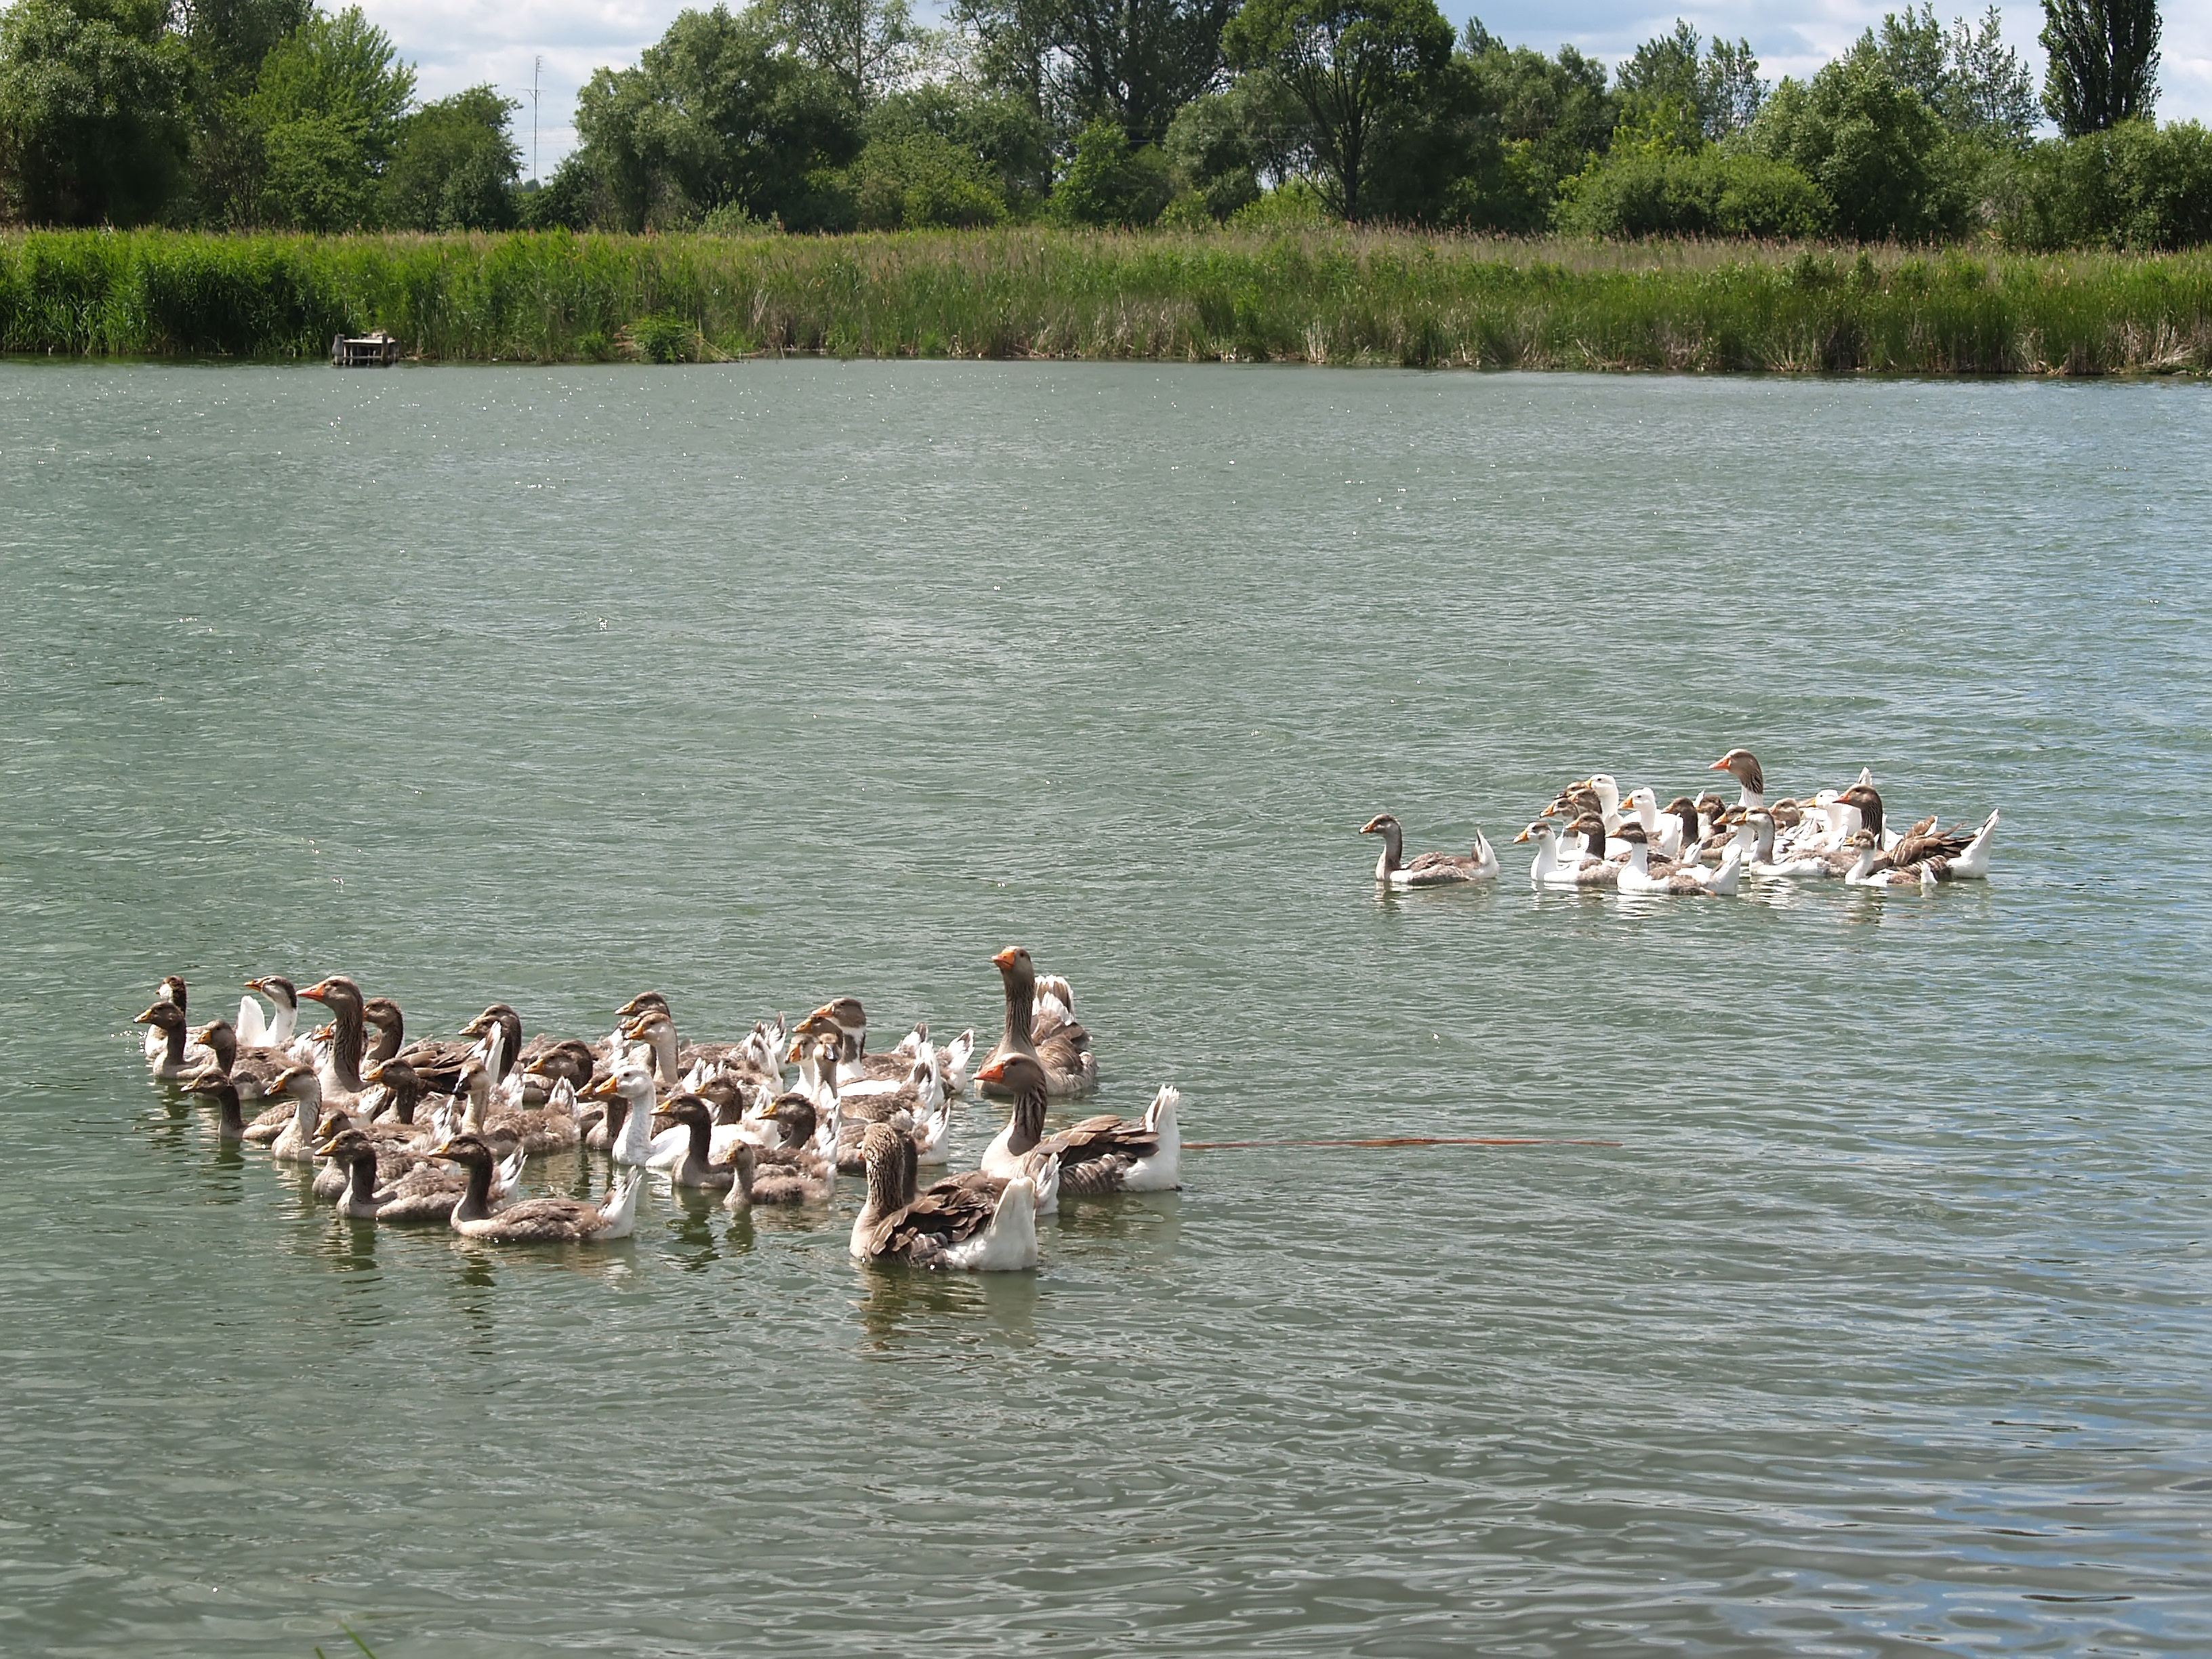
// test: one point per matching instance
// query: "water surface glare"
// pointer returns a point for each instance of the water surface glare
(1880, 1323)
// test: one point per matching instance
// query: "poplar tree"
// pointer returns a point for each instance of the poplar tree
(2104, 63)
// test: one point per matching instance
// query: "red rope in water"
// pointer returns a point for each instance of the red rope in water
(1400, 1140)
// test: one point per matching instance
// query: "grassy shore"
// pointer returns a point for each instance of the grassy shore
(1321, 296)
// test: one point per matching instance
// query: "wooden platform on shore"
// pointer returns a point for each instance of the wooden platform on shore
(377, 350)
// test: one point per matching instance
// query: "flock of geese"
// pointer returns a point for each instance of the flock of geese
(440, 1131)
(1625, 842)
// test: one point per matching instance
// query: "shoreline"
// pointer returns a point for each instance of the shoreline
(1324, 297)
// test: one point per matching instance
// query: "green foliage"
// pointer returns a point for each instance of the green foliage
(1111, 181)
(328, 103)
(1293, 205)
(1009, 139)
(1211, 158)
(1360, 68)
(1872, 147)
(1706, 193)
(720, 111)
(2134, 185)
(864, 45)
(455, 167)
(92, 112)
(225, 41)
(1548, 119)
(2104, 63)
(1975, 83)
(664, 339)
(1666, 87)
(1317, 294)
(921, 180)
(1132, 62)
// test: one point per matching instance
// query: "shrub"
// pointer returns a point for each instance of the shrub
(1111, 182)
(1294, 205)
(921, 180)
(1705, 194)
(2134, 187)
(1871, 144)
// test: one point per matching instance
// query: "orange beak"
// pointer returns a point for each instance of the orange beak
(1005, 959)
(995, 1072)
(314, 992)
(1718, 766)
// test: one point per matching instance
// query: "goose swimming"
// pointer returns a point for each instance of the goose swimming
(1097, 1156)
(537, 1220)
(952, 1225)
(1060, 1045)
(1429, 869)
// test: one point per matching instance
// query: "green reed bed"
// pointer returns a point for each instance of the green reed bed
(1321, 296)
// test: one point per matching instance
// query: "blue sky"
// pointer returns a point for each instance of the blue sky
(458, 43)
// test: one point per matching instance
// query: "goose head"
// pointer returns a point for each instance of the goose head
(643, 1000)
(278, 989)
(1743, 766)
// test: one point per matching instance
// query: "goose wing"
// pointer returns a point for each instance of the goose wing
(1095, 1154)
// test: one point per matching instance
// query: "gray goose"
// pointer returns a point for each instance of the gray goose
(1097, 1156)
(251, 1070)
(1061, 1046)
(1428, 869)
(537, 1220)
(982, 1225)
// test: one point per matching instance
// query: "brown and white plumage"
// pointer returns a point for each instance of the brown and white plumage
(1051, 1036)
(981, 1226)
(1394, 869)
(537, 1220)
(1097, 1156)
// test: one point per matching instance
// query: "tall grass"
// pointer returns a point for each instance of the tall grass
(1321, 296)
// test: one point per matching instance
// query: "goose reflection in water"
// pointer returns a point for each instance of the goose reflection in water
(898, 1303)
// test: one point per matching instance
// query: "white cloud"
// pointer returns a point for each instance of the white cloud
(461, 43)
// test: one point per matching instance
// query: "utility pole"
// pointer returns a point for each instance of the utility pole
(536, 69)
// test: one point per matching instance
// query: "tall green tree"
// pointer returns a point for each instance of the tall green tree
(1716, 91)
(1974, 81)
(1133, 62)
(1870, 144)
(92, 111)
(455, 164)
(226, 41)
(721, 112)
(2104, 63)
(328, 103)
(1360, 68)
(864, 45)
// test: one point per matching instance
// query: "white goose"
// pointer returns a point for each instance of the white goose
(1637, 881)
(1548, 869)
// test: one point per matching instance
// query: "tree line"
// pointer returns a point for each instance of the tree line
(833, 115)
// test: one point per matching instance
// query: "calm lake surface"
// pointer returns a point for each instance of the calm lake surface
(1878, 1320)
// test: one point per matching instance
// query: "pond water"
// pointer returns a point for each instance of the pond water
(1854, 1299)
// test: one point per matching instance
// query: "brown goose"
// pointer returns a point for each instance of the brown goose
(981, 1226)
(250, 1069)
(1427, 869)
(341, 1079)
(224, 1093)
(696, 1168)
(1743, 766)
(1099, 1155)
(539, 1129)
(383, 1017)
(174, 1058)
(172, 989)
(537, 1220)
(1057, 1042)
